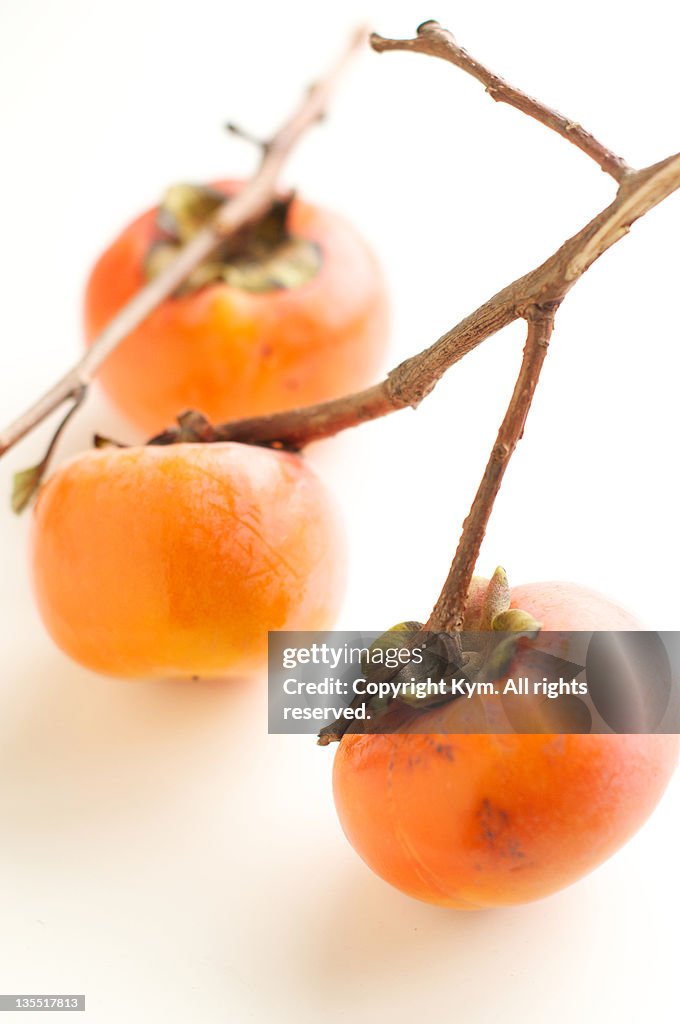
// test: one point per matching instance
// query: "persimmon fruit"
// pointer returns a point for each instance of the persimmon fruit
(292, 313)
(472, 820)
(175, 561)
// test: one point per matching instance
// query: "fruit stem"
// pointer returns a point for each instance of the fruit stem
(449, 610)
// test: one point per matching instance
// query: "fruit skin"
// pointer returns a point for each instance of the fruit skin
(472, 821)
(231, 353)
(175, 561)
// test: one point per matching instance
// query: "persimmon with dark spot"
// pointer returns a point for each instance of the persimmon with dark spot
(462, 818)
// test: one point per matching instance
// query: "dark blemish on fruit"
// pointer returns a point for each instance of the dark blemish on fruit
(492, 820)
(266, 351)
(494, 823)
(446, 750)
(515, 850)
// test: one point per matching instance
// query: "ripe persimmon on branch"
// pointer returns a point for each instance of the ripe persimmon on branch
(248, 205)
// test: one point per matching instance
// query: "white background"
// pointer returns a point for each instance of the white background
(158, 850)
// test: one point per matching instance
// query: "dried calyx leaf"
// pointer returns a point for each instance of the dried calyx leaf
(378, 664)
(496, 600)
(26, 482)
(260, 258)
(442, 660)
(489, 607)
(516, 621)
(101, 441)
(402, 634)
(377, 667)
(497, 616)
(185, 209)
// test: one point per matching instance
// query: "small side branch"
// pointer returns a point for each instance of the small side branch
(27, 481)
(436, 41)
(448, 612)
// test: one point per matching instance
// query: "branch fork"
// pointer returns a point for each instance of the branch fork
(534, 297)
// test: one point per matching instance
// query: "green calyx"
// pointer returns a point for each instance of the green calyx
(262, 257)
(492, 611)
(479, 653)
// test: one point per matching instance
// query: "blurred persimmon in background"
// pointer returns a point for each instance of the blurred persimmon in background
(290, 311)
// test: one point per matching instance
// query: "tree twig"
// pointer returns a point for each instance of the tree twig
(407, 384)
(436, 41)
(447, 613)
(247, 205)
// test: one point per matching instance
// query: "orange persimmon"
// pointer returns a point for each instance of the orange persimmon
(478, 820)
(296, 315)
(175, 561)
